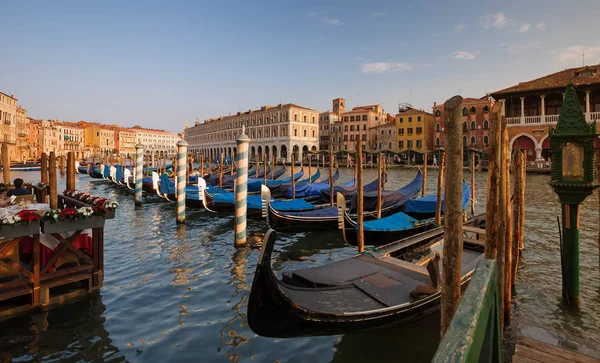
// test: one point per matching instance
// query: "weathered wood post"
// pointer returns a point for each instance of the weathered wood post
(257, 165)
(330, 176)
(139, 165)
(241, 189)
(201, 165)
(502, 227)
(355, 167)
(424, 186)
(5, 164)
(473, 183)
(360, 233)
(148, 165)
(293, 179)
(221, 171)
(492, 222)
(70, 170)
(453, 214)
(265, 161)
(440, 186)
(517, 216)
(61, 164)
(44, 167)
(181, 179)
(274, 162)
(379, 185)
(52, 181)
(508, 232)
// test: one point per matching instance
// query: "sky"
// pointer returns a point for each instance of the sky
(156, 63)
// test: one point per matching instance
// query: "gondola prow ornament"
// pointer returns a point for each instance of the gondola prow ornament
(572, 147)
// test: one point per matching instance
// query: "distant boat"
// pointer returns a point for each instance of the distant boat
(24, 167)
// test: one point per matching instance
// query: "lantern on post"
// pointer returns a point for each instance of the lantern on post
(572, 147)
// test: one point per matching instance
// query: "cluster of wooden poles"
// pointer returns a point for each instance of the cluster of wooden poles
(505, 212)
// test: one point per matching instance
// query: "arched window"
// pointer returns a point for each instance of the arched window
(472, 140)
(437, 141)
(486, 140)
(486, 109)
(473, 125)
(305, 132)
(437, 113)
(473, 110)
(464, 140)
(465, 112)
(464, 127)
(437, 127)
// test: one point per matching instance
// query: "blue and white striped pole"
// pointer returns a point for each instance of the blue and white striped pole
(181, 179)
(241, 189)
(139, 165)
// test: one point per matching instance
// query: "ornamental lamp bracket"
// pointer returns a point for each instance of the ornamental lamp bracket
(572, 152)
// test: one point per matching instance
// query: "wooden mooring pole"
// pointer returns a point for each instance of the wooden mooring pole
(293, 179)
(440, 186)
(257, 166)
(221, 171)
(61, 164)
(266, 161)
(424, 186)
(71, 170)
(274, 162)
(5, 164)
(360, 233)
(139, 165)
(472, 183)
(508, 231)
(241, 190)
(453, 214)
(518, 222)
(201, 166)
(502, 207)
(379, 185)
(44, 168)
(52, 182)
(181, 179)
(330, 177)
(492, 221)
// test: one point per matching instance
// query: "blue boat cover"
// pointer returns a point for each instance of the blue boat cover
(119, 173)
(327, 212)
(395, 222)
(254, 201)
(106, 171)
(292, 205)
(165, 184)
(390, 198)
(349, 189)
(427, 203)
(311, 189)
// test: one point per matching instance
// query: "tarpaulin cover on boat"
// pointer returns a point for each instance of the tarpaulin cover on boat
(311, 189)
(292, 205)
(389, 197)
(427, 203)
(254, 201)
(119, 173)
(321, 212)
(395, 222)
(347, 190)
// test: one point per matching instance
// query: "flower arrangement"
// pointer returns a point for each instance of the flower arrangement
(43, 184)
(106, 203)
(24, 216)
(72, 214)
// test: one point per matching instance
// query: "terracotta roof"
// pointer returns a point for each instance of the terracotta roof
(556, 80)
(413, 111)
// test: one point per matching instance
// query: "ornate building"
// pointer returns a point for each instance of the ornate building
(70, 138)
(354, 125)
(24, 149)
(277, 130)
(531, 107)
(8, 134)
(326, 122)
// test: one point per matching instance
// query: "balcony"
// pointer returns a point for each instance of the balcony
(545, 120)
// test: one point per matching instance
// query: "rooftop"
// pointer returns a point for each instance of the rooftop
(580, 76)
(413, 111)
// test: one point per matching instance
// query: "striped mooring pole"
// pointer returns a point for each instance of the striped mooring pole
(139, 165)
(181, 179)
(241, 189)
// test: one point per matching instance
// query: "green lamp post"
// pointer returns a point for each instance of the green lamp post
(572, 147)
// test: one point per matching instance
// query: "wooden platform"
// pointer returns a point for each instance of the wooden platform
(529, 350)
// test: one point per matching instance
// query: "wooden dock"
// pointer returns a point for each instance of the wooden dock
(528, 350)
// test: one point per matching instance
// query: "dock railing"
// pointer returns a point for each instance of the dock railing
(474, 334)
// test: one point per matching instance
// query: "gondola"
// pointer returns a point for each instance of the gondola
(424, 207)
(94, 172)
(24, 167)
(325, 217)
(396, 284)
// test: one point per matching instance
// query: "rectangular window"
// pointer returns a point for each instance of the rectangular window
(351, 137)
(379, 145)
(419, 130)
(351, 118)
(364, 137)
(364, 126)
(419, 118)
(400, 131)
(364, 118)
(409, 131)
(345, 127)
(401, 120)
(345, 137)
(400, 144)
(345, 118)
(389, 145)
(351, 127)
(409, 144)
(410, 119)
(419, 144)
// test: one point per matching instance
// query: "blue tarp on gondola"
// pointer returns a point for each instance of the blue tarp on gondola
(395, 222)
(321, 212)
(106, 174)
(427, 203)
(311, 189)
(119, 173)
(292, 205)
(349, 189)
(389, 197)
(253, 202)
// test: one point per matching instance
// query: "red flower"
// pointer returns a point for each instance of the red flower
(28, 216)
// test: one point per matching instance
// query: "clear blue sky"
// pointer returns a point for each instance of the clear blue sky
(156, 63)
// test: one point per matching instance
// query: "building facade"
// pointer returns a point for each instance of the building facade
(357, 124)
(71, 138)
(125, 142)
(24, 149)
(100, 139)
(531, 107)
(158, 141)
(475, 124)
(278, 131)
(326, 122)
(47, 136)
(386, 136)
(8, 127)
(414, 130)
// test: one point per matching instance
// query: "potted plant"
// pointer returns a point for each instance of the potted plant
(24, 223)
(72, 219)
(109, 204)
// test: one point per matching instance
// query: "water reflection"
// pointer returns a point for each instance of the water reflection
(76, 330)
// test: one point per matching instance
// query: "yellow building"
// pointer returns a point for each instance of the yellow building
(99, 138)
(414, 131)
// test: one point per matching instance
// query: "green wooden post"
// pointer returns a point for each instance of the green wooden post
(572, 147)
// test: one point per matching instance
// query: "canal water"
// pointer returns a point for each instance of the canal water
(179, 294)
